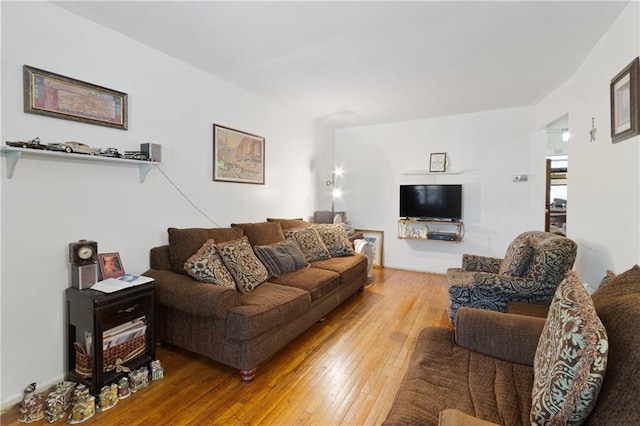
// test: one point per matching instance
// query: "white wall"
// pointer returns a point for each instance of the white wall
(604, 182)
(49, 203)
(488, 148)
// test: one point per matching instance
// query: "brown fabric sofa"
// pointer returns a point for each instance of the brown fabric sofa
(482, 373)
(243, 330)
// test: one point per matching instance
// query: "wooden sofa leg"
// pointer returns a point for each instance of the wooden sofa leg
(248, 375)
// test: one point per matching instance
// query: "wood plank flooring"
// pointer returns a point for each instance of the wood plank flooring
(343, 371)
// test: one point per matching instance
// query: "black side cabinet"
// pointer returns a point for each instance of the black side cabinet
(94, 312)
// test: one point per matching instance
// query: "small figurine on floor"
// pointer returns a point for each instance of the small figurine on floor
(108, 397)
(32, 405)
(139, 379)
(84, 405)
(157, 372)
(123, 388)
(58, 401)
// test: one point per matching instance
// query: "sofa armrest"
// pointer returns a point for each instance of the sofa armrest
(471, 262)
(186, 294)
(508, 337)
(159, 258)
(452, 417)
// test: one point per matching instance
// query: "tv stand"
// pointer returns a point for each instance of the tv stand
(431, 229)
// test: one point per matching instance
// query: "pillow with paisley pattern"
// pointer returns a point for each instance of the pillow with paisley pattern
(206, 265)
(310, 243)
(247, 270)
(334, 237)
(571, 358)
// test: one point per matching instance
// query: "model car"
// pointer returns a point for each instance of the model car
(34, 144)
(136, 155)
(111, 152)
(74, 147)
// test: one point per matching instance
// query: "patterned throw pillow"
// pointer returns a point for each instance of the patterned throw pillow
(207, 266)
(517, 259)
(310, 243)
(281, 258)
(246, 269)
(335, 239)
(571, 358)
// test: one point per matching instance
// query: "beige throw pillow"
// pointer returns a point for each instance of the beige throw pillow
(247, 270)
(207, 266)
(310, 243)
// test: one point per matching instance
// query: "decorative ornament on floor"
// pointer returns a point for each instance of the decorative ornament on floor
(84, 405)
(592, 132)
(123, 388)
(139, 379)
(32, 405)
(108, 397)
(157, 372)
(58, 401)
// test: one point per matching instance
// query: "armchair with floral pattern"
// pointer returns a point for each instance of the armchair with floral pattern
(533, 266)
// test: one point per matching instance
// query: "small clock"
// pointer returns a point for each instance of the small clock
(83, 252)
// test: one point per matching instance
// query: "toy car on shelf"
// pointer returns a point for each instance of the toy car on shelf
(111, 152)
(136, 155)
(34, 144)
(74, 147)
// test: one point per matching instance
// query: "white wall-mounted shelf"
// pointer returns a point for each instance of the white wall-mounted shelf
(427, 172)
(13, 154)
(416, 229)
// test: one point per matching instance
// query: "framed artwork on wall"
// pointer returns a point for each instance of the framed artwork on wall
(376, 238)
(438, 162)
(625, 103)
(110, 265)
(54, 95)
(237, 156)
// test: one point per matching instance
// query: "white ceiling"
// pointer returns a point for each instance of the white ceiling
(361, 63)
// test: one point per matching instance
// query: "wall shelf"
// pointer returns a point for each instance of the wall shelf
(415, 229)
(14, 154)
(427, 172)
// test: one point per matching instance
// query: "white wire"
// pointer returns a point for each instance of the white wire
(185, 196)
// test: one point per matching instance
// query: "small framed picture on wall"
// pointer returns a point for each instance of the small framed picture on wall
(625, 103)
(438, 162)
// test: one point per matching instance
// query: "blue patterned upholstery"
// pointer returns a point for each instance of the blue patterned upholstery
(478, 285)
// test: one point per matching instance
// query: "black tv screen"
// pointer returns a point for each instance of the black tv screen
(431, 201)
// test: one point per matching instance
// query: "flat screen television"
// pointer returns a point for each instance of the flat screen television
(440, 202)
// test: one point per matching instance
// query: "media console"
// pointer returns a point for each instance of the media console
(434, 230)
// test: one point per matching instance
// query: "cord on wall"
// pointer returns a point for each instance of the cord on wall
(185, 196)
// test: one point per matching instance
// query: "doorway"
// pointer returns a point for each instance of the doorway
(557, 157)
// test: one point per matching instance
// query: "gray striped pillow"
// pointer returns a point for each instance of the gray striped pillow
(281, 258)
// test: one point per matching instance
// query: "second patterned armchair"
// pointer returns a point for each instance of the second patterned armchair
(533, 266)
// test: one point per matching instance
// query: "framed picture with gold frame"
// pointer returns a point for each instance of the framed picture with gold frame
(237, 156)
(54, 95)
(625, 103)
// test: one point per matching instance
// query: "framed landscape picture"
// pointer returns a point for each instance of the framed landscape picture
(625, 103)
(376, 239)
(237, 156)
(53, 95)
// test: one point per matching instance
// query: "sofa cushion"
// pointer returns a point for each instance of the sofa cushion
(289, 223)
(206, 265)
(183, 243)
(264, 309)
(349, 267)
(316, 281)
(571, 358)
(618, 305)
(443, 375)
(335, 239)
(281, 258)
(310, 243)
(247, 270)
(517, 258)
(261, 233)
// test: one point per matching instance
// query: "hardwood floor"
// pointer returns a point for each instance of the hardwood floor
(345, 370)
